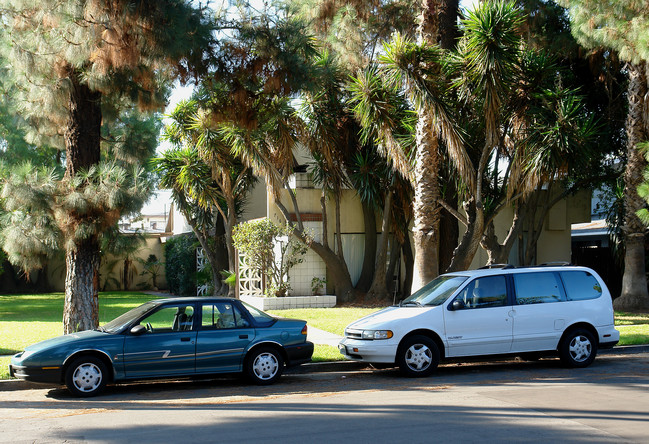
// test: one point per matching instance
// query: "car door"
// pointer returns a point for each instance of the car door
(538, 314)
(481, 324)
(224, 335)
(168, 347)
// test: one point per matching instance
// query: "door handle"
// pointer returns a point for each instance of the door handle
(185, 339)
(243, 336)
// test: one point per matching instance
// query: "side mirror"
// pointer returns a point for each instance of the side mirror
(457, 305)
(138, 330)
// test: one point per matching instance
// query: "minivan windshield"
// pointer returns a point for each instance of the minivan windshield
(436, 291)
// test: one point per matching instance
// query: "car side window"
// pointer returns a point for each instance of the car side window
(170, 318)
(580, 285)
(222, 315)
(489, 291)
(537, 288)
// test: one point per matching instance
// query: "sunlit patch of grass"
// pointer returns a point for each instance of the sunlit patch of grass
(4, 368)
(334, 320)
(325, 353)
(622, 318)
(27, 319)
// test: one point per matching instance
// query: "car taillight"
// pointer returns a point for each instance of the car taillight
(304, 330)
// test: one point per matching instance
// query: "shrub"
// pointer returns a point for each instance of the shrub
(180, 264)
(271, 250)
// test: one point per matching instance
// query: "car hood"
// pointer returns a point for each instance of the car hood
(66, 339)
(387, 316)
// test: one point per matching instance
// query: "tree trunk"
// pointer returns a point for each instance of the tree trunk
(470, 242)
(409, 263)
(369, 258)
(434, 13)
(229, 225)
(337, 271)
(426, 206)
(81, 134)
(499, 253)
(126, 274)
(395, 258)
(634, 282)
(379, 290)
(81, 308)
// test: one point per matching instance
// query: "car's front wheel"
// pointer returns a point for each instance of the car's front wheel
(578, 348)
(264, 365)
(418, 356)
(86, 376)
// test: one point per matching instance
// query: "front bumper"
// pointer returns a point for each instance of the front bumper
(377, 351)
(36, 374)
(299, 354)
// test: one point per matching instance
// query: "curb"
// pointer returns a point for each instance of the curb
(7, 385)
(624, 350)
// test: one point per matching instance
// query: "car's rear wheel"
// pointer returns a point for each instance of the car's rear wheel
(86, 376)
(578, 348)
(418, 356)
(264, 365)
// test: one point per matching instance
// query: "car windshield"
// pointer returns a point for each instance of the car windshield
(435, 292)
(117, 324)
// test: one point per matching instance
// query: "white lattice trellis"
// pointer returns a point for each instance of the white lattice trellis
(201, 263)
(250, 281)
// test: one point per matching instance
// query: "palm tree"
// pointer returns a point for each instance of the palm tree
(622, 26)
(203, 172)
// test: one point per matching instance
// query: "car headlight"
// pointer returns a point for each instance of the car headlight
(377, 334)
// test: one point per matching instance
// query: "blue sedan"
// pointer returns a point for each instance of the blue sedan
(169, 338)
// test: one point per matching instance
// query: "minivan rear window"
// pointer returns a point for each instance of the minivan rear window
(580, 285)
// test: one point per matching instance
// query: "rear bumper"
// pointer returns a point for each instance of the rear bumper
(607, 345)
(36, 374)
(299, 354)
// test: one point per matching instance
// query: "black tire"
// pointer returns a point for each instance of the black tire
(578, 348)
(264, 365)
(86, 376)
(417, 356)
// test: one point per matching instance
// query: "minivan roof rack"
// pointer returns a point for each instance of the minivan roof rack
(503, 266)
(555, 264)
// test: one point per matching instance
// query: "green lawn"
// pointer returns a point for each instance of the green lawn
(31, 318)
(633, 327)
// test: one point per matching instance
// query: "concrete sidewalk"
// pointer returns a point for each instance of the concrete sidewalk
(322, 337)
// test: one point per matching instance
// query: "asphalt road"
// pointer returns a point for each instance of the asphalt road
(509, 401)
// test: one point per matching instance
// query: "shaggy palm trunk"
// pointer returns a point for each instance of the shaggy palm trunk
(634, 294)
(426, 206)
(82, 136)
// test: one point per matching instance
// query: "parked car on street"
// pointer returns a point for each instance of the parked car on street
(529, 311)
(169, 338)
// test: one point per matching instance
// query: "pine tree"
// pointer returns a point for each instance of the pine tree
(77, 65)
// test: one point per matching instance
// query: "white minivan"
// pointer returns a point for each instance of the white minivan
(564, 310)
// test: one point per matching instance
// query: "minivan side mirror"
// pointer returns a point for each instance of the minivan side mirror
(138, 330)
(457, 305)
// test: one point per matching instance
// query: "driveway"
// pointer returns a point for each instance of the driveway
(477, 402)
